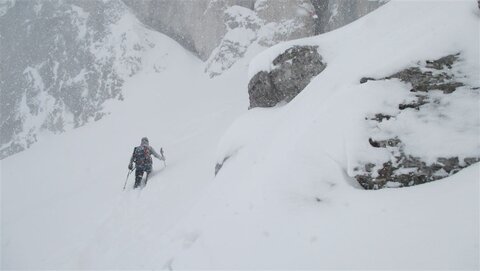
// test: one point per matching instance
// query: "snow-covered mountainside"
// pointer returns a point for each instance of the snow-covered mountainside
(274, 186)
(60, 61)
(62, 199)
(287, 193)
(404, 119)
(237, 26)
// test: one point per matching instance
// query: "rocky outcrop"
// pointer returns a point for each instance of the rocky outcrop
(199, 26)
(428, 80)
(267, 23)
(284, 20)
(292, 72)
(242, 28)
(406, 170)
(234, 26)
(431, 78)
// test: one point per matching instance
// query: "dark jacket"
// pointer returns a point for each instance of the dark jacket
(141, 156)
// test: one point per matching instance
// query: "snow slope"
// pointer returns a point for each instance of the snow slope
(62, 199)
(60, 61)
(283, 200)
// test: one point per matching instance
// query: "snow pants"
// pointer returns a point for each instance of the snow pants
(139, 175)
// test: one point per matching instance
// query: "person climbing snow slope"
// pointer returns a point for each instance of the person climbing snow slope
(143, 161)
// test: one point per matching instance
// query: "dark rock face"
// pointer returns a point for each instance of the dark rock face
(294, 69)
(404, 169)
(262, 92)
(425, 81)
(435, 78)
(380, 117)
(434, 75)
(421, 100)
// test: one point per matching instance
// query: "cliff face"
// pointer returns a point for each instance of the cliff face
(197, 25)
(60, 61)
(221, 32)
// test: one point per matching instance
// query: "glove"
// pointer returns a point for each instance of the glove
(130, 166)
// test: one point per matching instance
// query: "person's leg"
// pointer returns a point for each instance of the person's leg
(138, 177)
(148, 170)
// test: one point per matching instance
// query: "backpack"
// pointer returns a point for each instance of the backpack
(141, 156)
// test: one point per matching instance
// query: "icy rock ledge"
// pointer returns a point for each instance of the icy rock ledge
(293, 70)
(429, 80)
(407, 170)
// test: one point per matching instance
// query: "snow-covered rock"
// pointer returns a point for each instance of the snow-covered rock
(269, 23)
(60, 61)
(197, 25)
(432, 82)
(237, 26)
(405, 118)
(242, 30)
(292, 72)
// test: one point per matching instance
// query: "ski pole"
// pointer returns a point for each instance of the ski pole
(125, 185)
(163, 157)
(146, 180)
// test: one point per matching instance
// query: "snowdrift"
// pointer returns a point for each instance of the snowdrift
(285, 196)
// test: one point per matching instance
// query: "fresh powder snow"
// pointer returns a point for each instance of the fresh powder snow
(284, 197)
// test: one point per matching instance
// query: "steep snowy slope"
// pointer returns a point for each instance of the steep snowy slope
(60, 61)
(285, 197)
(62, 200)
(282, 200)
